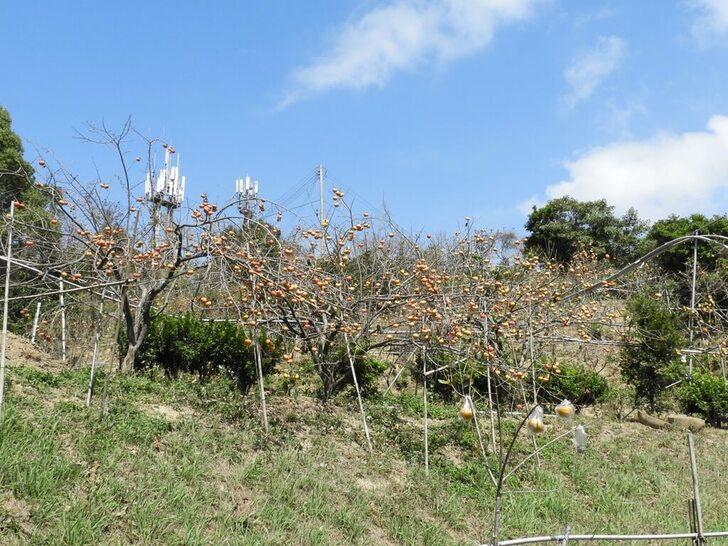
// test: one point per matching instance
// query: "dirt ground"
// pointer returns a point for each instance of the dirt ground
(22, 353)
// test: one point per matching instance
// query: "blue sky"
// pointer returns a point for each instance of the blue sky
(441, 108)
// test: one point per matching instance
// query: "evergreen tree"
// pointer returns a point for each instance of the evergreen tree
(16, 174)
(564, 226)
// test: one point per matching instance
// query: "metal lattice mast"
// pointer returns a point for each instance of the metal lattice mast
(322, 213)
(168, 190)
(246, 191)
(692, 304)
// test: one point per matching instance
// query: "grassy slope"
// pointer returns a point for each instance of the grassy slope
(177, 462)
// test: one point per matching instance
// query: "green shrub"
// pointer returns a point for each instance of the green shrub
(369, 374)
(596, 331)
(453, 377)
(580, 385)
(441, 381)
(649, 356)
(368, 370)
(456, 376)
(620, 400)
(187, 344)
(706, 395)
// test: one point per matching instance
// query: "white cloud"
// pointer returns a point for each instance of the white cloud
(712, 21)
(670, 173)
(401, 35)
(588, 70)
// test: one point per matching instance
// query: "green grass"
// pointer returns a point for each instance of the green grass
(178, 462)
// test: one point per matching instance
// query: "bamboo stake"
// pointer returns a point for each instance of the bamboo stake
(63, 320)
(424, 398)
(536, 452)
(358, 393)
(533, 361)
(259, 360)
(480, 441)
(97, 336)
(567, 530)
(696, 492)
(258, 356)
(52, 275)
(501, 478)
(596, 538)
(107, 377)
(469, 401)
(533, 377)
(261, 386)
(5, 306)
(490, 409)
(392, 383)
(35, 323)
(490, 392)
(66, 290)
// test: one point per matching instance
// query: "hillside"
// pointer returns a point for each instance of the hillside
(177, 462)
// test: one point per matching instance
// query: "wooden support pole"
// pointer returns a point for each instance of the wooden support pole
(480, 440)
(469, 401)
(594, 538)
(567, 531)
(5, 305)
(487, 371)
(424, 399)
(258, 356)
(261, 385)
(65, 290)
(699, 539)
(94, 357)
(531, 353)
(490, 409)
(358, 392)
(35, 323)
(63, 320)
(51, 275)
(117, 325)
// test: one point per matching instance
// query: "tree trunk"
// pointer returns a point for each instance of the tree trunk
(327, 381)
(137, 324)
(127, 364)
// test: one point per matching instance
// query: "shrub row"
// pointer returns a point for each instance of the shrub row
(707, 395)
(185, 344)
(178, 344)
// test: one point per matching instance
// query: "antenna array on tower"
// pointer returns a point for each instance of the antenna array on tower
(169, 188)
(247, 191)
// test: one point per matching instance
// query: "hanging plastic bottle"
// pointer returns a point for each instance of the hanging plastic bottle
(466, 410)
(535, 421)
(565, 409)
(579, 439)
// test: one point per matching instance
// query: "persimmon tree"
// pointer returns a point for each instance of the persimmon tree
(326, 288)
(130, 242)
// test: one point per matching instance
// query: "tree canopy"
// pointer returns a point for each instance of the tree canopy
(679, 258)
(648, 360)
(16, 174)
(563, 226)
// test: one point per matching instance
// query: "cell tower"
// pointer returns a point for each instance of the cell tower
(247, 191)
(169, 189)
